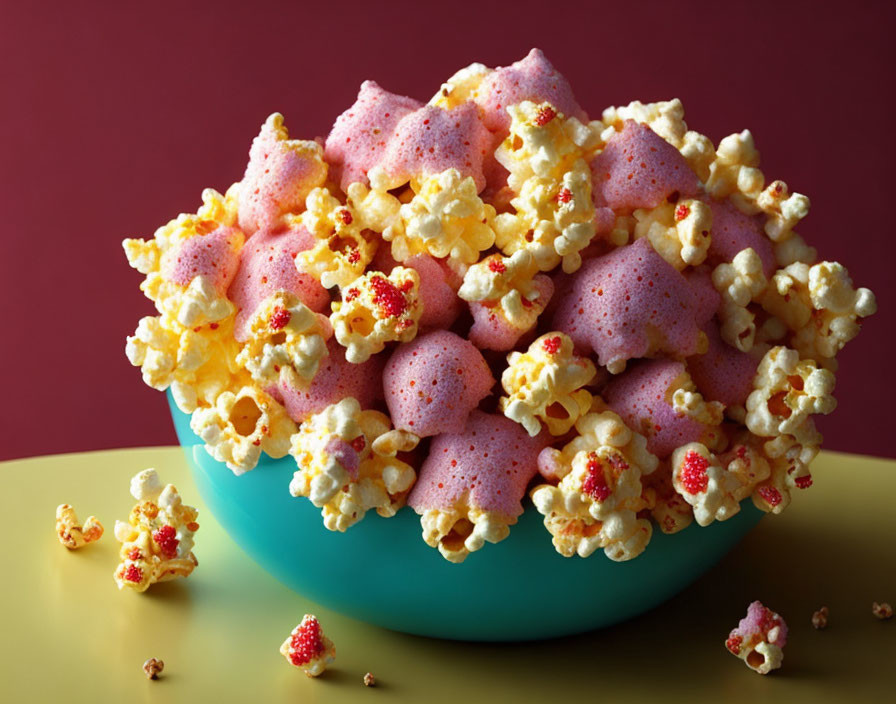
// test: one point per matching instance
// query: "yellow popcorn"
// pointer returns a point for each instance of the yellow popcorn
(789, 458)
(239, 426)
(308, 648)
(665, 118)
(157, 539)
(70, 531)
(376, 309)
(285, 337)
(378, 209)
(341, 469)
(197, 363)
(709, 488)
(596, 501)
(342, 252)
(507, 282)
(735, 172)
(739, 283)
(461, 87)
(672, 513)
(445, 218)
(783, 210)
(680, 233)
(458, 531)
(544, 384)
(794, 249)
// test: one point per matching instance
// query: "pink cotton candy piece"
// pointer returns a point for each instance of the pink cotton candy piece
(642, 398)
(336, 379)
(492, 331)
(628, 304)
(733, 231)
(706, 299)
(758, 622)
(724, 373)
(267, 265)
(432, 140)
(441, 305)
(360, 135)
(345, 455)
(433, 382)
(277, 180)
(639, 169)
(532, 78)
(486, 465)
(214, 256)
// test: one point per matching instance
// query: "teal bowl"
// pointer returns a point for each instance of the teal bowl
(380, 570)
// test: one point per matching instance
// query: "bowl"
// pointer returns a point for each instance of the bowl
(380, 570)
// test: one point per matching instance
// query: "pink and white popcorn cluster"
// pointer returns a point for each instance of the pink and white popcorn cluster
(492, 301)
(759, 639)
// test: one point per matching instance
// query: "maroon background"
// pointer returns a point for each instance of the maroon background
(114, 120)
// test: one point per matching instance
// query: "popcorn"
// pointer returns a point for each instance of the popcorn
(735, 174)
(461, 87)
(341, 468)
(739, 283)
(445, 218)
(286, 337)
(376, 309)
(242, 424)
(667, 507)
(789, 459)
(783, 210)
(700, 479)
(308, 648)
(157, 540)
(596, 501)
(369, 680)
(759, 639)
(153, 668)
(678, 232)
(70, 531)
(820, 619)
(882, 611)
(545, 384)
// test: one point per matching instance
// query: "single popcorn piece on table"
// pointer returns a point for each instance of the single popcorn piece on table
(598, 494)
(242, 424)
(70, 531)
(882, 611)
(820, 619)
(544, 385)
(679, 232)
(699, 477)
(376, 309)
(153, 668)
(344, 470)
(759, 639)
(369, 680)
(285, 337)
(157, 539)
(308, 648)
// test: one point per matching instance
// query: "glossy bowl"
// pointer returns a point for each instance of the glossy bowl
(380, 570)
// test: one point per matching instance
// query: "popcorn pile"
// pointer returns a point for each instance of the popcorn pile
(662, 335)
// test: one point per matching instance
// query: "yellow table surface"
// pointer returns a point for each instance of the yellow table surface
(69, 635)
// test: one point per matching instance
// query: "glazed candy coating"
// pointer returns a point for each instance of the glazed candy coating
(432, 383)
(724, 373)
(214, 256)
(441, 306)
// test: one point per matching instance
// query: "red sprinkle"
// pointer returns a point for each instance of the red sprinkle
(545, 115)
(388, 297)
(565, 195)
(133, 574)
(595, 484)
(135, 554)
(354, 256)
(280, 318)
(345, 217)
(803, 482)
(306, 643)
(733, 644)
(352, 294)
(681, 212)
(552, 345)
(770, 495)
(359, 443)
(214, 326)
(693, 473)
(497, 266)
(526, 302)
(167, 541)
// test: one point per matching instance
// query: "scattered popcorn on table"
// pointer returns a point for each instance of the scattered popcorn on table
(308, 648)
(157, 539)
(153, 668)
(820, 619)
(70, 531)
(369, 680)
(759, 639)
(882, 611)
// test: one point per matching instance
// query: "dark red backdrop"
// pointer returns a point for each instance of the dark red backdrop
(114, 120)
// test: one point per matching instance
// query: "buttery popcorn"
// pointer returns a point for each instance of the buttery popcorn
(596, 501)
(544, 385)
(678, 232)
(461, 87)
(376, 309)
(739, 283)
(506, 283)
(458, 531)
(157, 539)
(340, 468)
(699, 478)
(70, 531)
(308, 648)
(735, 172)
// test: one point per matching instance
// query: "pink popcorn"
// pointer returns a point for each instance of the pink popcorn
(432, 140)
(214, 256)
(433, 382)
(631, 303)
(732, 232)
(335, 380)
(486, 465)
(267, 265)
(724, 373)
(441, 305)
(706, 297)
(492, 330)
(532, 78)
(360, 135)
(642, 396)
(759, 639)
(280, 174)
(639, 169)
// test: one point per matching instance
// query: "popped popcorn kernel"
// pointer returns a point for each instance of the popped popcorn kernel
(376, 309)
(461, 87)
(680, 232)
(344, 470)
(285, 337)
(445, 218)
(735, 173)
(456, 532)
(153, 668)
(739, 283)
(789, 457)
(308, 648)
(783, 210)
(378, 209)
(242, 424)
(701, 480)
(369, 680)
(598, 495)
(759, 639)
(882, 611)
(820, 619)
(544, 385)
(71, 533)
(157, 539)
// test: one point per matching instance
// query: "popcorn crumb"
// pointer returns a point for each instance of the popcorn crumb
(820, 619)
(882, 611)
(308, 648)
(369, 680)
(71, 533)
(153, 668)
